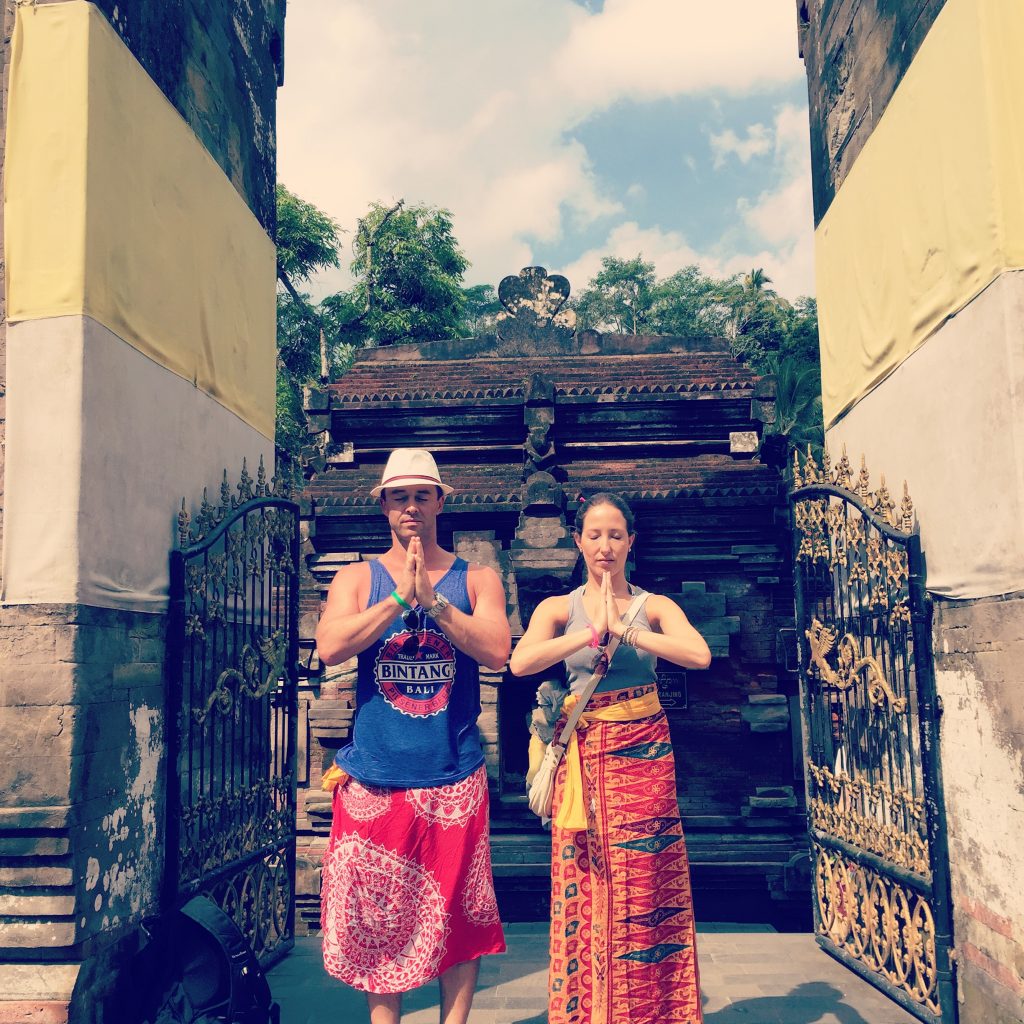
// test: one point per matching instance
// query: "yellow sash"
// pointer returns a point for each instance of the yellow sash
(572, 814)
(333, 777)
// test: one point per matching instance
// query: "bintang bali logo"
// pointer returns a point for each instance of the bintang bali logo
(415, 671)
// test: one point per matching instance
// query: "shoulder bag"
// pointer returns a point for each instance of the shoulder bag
(541, 792)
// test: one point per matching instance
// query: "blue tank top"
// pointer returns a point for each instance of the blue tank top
(629, 666)
(417, 698)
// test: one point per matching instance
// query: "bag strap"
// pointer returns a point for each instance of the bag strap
(595, 679)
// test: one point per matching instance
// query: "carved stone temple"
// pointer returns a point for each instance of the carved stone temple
(525, 422)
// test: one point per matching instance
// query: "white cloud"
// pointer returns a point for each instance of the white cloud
(653, 49)
(779, 225)
(667, 250)
(757, 142)
(783, 218)
(470, 106)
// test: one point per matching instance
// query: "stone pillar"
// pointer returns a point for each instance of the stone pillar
(141, 305)
(543, 552)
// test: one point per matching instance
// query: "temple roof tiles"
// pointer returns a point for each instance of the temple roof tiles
(636, 479)
(656, 374)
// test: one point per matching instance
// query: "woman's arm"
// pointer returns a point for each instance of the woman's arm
(670, 637)
(544, 644)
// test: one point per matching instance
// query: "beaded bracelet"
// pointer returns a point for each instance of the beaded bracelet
(629, 635)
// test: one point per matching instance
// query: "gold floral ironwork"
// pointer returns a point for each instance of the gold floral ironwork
(850, 663)
(886, 820)
(867, 770)
(883, 924)
(841, 476)
(235, 801)
(192, 529)
(272, 650)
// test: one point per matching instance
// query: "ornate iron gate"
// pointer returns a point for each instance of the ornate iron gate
(870, 719)
(233, 655)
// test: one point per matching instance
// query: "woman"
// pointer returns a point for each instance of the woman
(622, 933)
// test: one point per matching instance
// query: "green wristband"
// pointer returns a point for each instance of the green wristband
(401, 600)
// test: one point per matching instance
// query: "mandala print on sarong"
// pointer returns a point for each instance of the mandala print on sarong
(386, 917)
(364, 803)
(478, 899)
(450, 806)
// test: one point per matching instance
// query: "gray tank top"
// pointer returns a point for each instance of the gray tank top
(629, 667)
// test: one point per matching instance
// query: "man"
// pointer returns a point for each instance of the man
(407, 893)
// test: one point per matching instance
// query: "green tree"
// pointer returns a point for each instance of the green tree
(482, 309)
(619, 298)
(764, 330)
(408, 268)
(307, 239)
(311, 340)
(801, 339)
(759, 318)
(689, 303)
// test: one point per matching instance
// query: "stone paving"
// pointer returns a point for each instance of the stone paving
(748, 976)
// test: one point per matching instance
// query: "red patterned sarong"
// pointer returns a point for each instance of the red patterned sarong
(406, 888)
(622, 934)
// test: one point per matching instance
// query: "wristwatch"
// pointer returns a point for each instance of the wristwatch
(440, 603)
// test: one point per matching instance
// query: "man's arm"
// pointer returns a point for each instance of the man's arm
(346, 626)
(485, 635)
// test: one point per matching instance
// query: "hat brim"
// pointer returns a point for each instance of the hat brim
(411, 481)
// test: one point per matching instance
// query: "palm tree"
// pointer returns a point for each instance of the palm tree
(756, 280)
(798, 411)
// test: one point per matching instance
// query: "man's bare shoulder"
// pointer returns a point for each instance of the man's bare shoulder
(355, 574)
(480, 571)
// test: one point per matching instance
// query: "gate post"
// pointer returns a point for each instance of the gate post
(930, 710)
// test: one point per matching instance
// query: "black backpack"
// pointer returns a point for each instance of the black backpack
(197, 968)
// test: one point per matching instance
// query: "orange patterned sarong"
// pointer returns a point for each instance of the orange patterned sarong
(622, 933)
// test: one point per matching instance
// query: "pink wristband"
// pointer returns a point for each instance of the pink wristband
(595, 639)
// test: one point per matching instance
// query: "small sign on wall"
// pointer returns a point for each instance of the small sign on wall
(672, 690)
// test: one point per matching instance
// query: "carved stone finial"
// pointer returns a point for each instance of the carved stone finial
(534, 295)
(533, 321)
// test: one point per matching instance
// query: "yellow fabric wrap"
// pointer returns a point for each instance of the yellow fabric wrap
(572, 811)
(932, 211)
(114, 209)
(333, 778)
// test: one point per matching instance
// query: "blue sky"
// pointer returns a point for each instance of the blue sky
(558, 131)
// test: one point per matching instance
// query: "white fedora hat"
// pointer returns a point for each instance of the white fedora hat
(410, 467)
